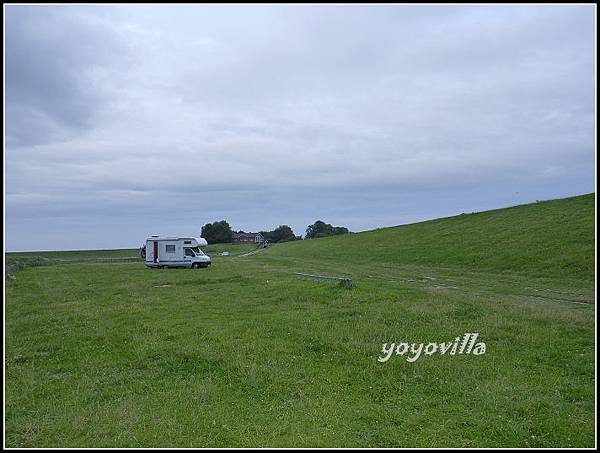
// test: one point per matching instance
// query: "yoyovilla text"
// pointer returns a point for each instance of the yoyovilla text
(467, 345)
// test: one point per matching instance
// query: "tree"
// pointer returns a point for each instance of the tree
(318, 229)
(321, 229)
(268, 235)
(340, 230)
(217, 232)
(282, 233)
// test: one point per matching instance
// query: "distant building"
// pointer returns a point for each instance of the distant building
(247, 238)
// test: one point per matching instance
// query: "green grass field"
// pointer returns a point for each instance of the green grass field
(243, 354)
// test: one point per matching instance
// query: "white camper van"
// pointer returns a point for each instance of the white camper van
(167, 252)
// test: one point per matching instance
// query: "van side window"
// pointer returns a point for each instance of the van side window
(170, 248)
(188, 252)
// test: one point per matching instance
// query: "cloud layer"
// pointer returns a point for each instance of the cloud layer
(126, 121)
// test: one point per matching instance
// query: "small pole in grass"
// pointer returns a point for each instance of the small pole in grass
(344, 282)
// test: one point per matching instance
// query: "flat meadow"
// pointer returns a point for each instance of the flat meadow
(104, 352)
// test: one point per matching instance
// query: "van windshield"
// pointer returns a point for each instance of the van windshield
(197, 251)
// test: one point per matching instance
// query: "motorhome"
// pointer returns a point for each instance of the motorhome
(165, 252)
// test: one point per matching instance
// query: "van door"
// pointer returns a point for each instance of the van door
(155, 251)
(188, 254)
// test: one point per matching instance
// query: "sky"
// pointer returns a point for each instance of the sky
(127, 121)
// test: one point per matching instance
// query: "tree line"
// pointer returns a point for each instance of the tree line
(221, 232)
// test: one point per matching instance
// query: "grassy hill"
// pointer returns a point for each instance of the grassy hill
(550, 238)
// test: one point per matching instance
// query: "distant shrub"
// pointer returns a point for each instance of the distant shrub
(321, 229)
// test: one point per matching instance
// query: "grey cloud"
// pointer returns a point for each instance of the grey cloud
(365, 115)
(55, 59)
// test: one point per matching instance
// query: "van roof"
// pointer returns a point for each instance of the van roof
(166, 238)
(197, 241)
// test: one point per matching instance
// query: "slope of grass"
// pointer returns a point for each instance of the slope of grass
(233, 249)
(550, 238)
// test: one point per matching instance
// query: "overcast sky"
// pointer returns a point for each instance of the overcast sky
(126, 121)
